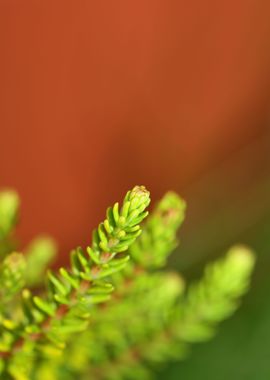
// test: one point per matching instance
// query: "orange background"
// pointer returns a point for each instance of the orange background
(97, 96)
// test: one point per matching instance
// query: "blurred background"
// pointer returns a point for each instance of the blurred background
(97, 96)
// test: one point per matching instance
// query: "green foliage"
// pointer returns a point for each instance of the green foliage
(216, 296)
(114, 313)
(9, 204)
(159, 237)
(12, 277)
(39, 254)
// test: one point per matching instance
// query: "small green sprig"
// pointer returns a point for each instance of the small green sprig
(159, 237)
(39, 255)
(216, 296)
(72, 293)
(158, 240)
(9, 205)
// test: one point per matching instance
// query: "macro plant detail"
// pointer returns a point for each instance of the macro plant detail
(114, 313)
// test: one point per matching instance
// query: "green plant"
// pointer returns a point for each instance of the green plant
(115, 313)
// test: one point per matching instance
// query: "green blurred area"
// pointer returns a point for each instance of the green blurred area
(241, 348)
